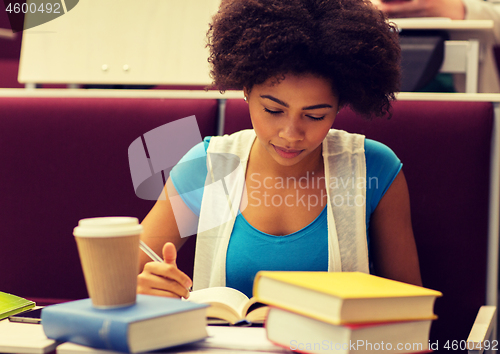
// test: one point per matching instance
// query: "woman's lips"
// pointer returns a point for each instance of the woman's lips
(287, 153)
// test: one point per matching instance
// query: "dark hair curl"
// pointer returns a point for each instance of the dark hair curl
(348, 42)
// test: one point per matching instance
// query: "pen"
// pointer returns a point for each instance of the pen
(149, 252)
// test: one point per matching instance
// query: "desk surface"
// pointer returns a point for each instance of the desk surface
(222, 339)
(442, 24)
(7, 33)
(23, 338)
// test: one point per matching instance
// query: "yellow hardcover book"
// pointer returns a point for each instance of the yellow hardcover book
(345, 297)
(12, 304)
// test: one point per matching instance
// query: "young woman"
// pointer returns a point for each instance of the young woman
(292, 193)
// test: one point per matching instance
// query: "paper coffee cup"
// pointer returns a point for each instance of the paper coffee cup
(109, 254)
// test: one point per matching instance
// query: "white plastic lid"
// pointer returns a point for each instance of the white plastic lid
(112, 226)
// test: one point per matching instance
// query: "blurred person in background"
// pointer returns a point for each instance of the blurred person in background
(454, 9)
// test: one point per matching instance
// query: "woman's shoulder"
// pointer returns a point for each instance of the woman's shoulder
(340, 142)
(238, 144)
(382, 167)
(380, 159)
(377, 150)
(191, 165)
(206, 142)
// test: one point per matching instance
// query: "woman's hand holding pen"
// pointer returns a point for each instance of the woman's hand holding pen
(164, 278)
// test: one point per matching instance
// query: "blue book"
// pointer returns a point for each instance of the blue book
(152, 323)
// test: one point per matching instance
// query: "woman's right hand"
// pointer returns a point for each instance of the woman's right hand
(164, 278)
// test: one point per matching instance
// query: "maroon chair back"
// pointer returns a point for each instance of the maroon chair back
(64, 159)
(445, 150)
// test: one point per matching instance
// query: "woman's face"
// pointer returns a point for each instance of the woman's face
(291, 118)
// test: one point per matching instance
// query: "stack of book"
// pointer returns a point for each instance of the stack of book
(344, 312)
(152, 323)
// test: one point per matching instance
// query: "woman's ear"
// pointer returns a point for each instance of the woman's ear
(245, 94)
(340, 106)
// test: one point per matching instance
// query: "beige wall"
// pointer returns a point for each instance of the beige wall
(121, 42)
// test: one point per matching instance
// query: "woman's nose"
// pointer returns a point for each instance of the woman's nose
(292, 131)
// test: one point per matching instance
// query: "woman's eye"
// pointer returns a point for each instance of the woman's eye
(272, 112)
(316, 118)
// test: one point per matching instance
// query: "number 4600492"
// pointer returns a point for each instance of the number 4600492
(464, 345)
(48, 8)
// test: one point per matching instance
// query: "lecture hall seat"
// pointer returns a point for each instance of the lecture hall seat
(64, 159)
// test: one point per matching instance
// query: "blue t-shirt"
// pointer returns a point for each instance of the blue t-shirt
(251, 250)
